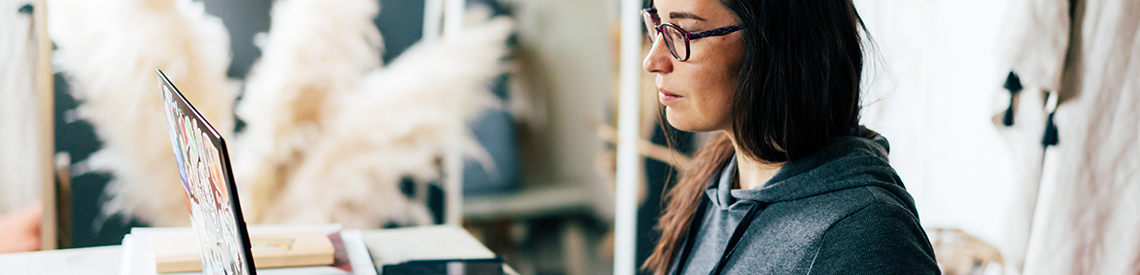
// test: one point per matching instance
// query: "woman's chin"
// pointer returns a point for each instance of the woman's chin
(685, 122)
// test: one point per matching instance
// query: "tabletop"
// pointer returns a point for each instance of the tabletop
(385, 245)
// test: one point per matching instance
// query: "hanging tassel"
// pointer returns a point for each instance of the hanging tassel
(1008, 118)
(1050, 138)
(1013, 84)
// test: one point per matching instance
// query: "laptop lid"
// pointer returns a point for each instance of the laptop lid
(204, 166)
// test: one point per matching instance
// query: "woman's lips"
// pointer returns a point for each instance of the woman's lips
(667, 98)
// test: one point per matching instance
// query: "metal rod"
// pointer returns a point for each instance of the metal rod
(628, 160)
(453, 16)
(433, 19)
(453, 179)
(453, 12)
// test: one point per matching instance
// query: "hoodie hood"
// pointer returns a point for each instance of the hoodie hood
(846, 162)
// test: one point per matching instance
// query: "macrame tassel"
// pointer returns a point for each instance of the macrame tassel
(1050, 138)
(1013, 84)
(1008, 118)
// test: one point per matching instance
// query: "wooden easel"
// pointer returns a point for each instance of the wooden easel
(55, 224)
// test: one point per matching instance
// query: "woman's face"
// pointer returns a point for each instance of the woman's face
(697, 93)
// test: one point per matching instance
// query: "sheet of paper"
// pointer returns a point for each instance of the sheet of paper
(424, 243)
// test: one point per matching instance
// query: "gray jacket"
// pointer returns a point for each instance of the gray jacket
(840, 210)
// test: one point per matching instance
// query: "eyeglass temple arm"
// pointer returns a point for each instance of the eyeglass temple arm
(716, 32)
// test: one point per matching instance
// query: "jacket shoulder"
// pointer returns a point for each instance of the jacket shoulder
(881, 237)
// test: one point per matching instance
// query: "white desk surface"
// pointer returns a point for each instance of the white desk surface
(385, 245)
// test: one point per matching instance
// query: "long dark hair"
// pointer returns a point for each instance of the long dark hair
(798, 88)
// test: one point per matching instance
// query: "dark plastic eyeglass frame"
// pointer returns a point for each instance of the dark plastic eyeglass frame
(650, 14)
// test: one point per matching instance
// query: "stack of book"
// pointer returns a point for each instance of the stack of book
(277, 250)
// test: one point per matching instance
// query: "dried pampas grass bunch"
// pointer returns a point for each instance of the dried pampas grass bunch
(314, 50)
(109, 50)
(394, 125)
(331, 134)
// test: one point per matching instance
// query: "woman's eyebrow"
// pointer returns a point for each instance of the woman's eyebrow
(684, 15)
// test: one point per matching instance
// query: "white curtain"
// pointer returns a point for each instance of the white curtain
(19, 159)
(1088, 216)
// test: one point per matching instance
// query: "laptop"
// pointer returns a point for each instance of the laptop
(204, 166)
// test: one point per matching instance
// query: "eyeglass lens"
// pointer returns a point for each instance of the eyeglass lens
(674, 36)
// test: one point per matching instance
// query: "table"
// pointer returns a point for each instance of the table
(385, 245)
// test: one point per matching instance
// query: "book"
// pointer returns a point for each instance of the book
(490, 266)
(178, 252)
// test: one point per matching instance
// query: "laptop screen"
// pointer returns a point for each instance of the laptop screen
(204, 167)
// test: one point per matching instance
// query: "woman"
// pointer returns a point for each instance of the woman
(792, 184)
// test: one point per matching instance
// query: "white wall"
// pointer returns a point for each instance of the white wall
(935, 103)
(568, 55)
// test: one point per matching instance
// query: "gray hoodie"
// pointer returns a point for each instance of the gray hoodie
(840, 210)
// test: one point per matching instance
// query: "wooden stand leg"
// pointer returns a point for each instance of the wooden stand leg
(45, 90)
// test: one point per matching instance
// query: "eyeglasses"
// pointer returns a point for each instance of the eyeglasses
(676, 38)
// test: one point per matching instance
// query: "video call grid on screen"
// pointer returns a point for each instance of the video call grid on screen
(203, 165)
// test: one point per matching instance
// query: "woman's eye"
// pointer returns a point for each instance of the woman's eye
(690, 27)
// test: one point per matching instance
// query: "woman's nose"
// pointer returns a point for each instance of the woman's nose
(659, 60)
